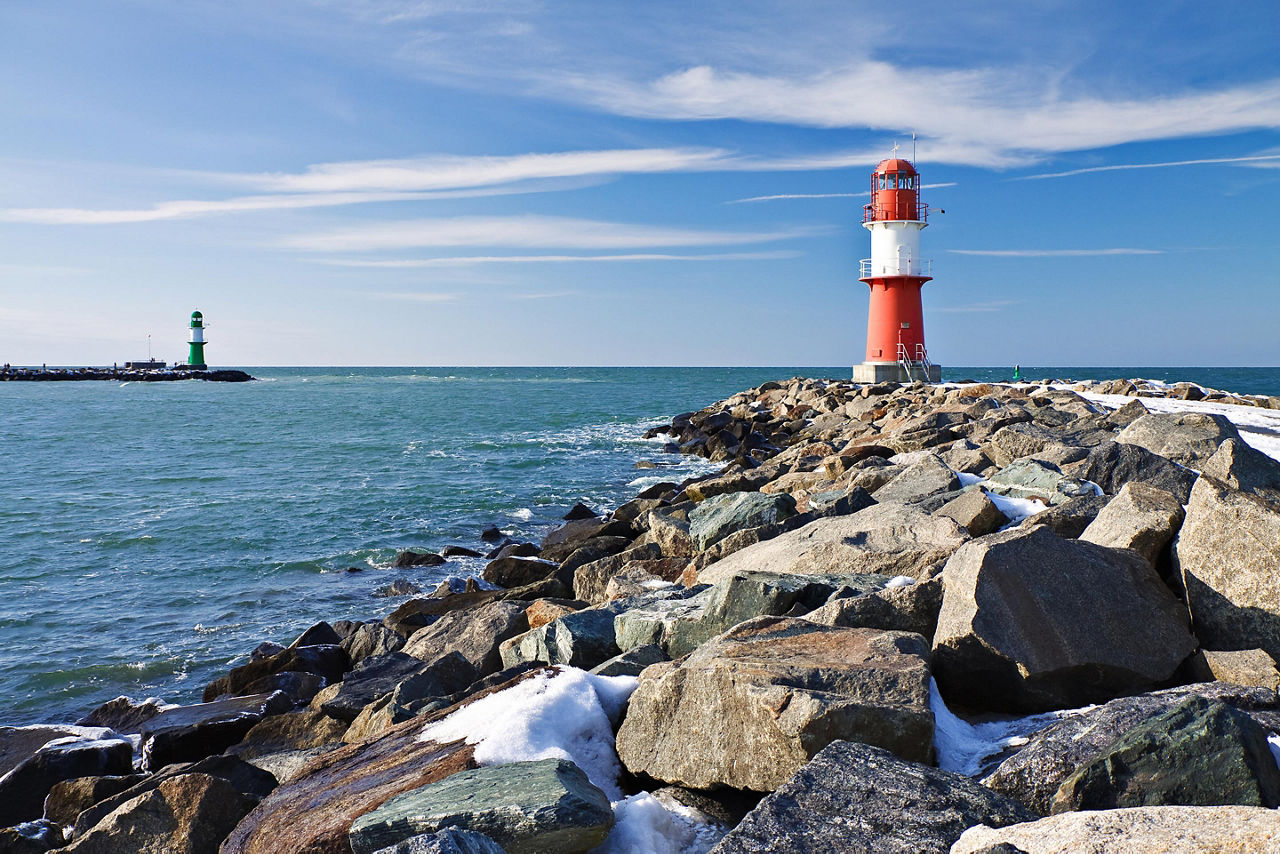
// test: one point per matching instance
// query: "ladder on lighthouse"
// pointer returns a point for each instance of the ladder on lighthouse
(920, 363)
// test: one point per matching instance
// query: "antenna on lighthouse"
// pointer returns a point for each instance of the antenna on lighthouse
(913, 146)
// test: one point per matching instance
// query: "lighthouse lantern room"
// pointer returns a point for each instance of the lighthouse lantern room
(195, 360)
(895, 273)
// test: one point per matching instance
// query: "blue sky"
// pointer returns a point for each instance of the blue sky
(429, 182)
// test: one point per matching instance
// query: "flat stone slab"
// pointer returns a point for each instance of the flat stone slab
(526, 807)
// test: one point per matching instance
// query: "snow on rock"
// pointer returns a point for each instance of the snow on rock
(645, 825)
(563, 713)
(899, 581)
(1016, 509)
(1273, 741)
(966, 748)
(967, 479)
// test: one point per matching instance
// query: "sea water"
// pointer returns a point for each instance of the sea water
(152, 533)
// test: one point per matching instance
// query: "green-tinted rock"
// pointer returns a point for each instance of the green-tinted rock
(526, 807)
(1202, 753)
(721, 515)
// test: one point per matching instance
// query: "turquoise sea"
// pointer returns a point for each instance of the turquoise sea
(153, 533)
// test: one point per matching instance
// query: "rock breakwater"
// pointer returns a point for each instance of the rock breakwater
(758, 660)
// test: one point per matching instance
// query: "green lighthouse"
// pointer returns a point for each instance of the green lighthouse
(195, 360)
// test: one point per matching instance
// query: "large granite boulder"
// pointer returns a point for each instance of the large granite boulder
(581, 639)
(24, 788)
(1033, 622)
(1141, 517)
(1237, 666)
(1150, 830)
(186, 814)
(369, 639)
(123, 714)
(526, 807)
(855, 799)
(747, 709)
(1242, 467)
(975, 512)
(1015, 441)
(474, 634)
(927, 476)
(518, 571)
(1189, 438)
(1034, 772)
(1113, 464)
(718, 517)
(886, 539)
(1201, 753)
(1228, 552)
(69, 798)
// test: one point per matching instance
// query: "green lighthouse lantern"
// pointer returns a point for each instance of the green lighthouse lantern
(196, 358)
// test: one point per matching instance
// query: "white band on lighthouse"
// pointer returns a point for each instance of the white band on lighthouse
(895, 248)
(197, 335)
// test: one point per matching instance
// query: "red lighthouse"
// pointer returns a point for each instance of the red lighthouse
(895, 273)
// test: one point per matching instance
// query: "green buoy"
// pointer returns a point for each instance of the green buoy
(195, 360)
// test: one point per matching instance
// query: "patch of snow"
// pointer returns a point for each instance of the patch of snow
(967, 479)
(563, 713)
(900, 581)
(656, 584)
(1273, 741)
(1016, 509)
(907, 458)
(645, 825)
(966, 748)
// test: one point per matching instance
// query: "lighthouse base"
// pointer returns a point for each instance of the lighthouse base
(896, 372)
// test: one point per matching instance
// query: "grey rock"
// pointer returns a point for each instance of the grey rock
(370, 639)
(838, 502)
(1127, 414)
(749, 708)
(1151, 830)
(447, 841)
(1113, 464)
(18, 744)
(526, 807)
(23, 789)
(674, 624)
(1034, 772)
(909, 608)
(1189, 438)
(122, 715)
(1228, 552)
(975, 512)
(328, 661)
(190, 733)
(408, 558)
(632, 662)
(590, 580)
(474, 634)
(518, 571)
(250, 781)
(1033, 622)
(1069, 519)
(69, 798)
(717, 517)
(582, 639)
(855, 799)
(1242, 467)
(1019, 440)
(321, 634)
(377, 677)
(1140, 517)
(928, 476)
(886, 539)
(1201, 753)
(189, 813)
(1237, 666)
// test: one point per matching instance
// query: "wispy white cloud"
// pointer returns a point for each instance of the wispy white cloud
(863, 195)
(1262, 160)
(989, 306)
(523, 232)
(185, 209)
(1054, 253)
(474, 260)
(981, 116)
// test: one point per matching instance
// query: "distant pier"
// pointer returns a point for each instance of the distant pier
(126, 374)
